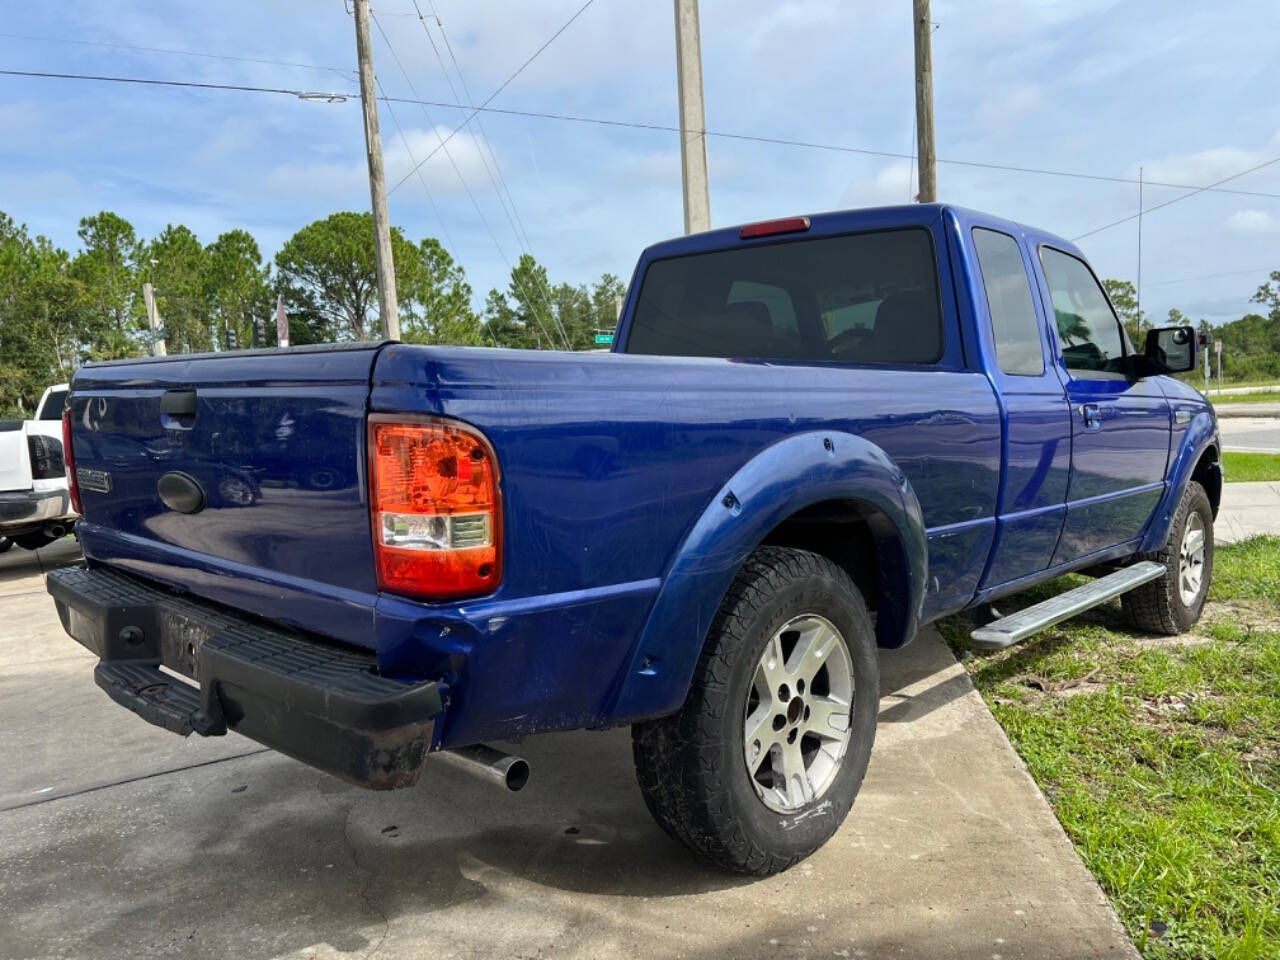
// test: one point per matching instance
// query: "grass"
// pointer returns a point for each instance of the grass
(1242, 467)
(1161, 756)
(1232, 398)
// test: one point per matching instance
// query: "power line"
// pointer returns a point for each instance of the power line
(1265, 271)
(348, 74)
(245, 88)
(481, 142)
(658, 127)
(505, 83)
(461, 179)
(500, 182)
(471, 103)
(1141, 212)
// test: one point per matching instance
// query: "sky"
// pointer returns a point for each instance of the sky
(1185, 91)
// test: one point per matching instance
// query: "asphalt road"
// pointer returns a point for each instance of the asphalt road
(1250, 434)
(118, 839)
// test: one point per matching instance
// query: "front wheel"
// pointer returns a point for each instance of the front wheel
(1173, 603)
(761, 765)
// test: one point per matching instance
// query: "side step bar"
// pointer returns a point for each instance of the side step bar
(1017, 627)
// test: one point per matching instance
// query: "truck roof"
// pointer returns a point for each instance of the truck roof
(842, 221)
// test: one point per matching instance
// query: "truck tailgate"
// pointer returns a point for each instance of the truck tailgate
(261, 453)
(15, 474)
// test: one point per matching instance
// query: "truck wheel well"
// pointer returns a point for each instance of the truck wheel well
(863, 541)
(1208, 473)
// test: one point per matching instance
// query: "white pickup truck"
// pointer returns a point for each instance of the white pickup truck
(35, 507)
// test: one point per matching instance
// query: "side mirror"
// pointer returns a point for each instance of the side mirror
(1170, 350)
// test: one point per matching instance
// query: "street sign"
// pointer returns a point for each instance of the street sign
(604, 338)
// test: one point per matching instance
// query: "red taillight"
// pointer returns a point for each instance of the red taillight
(69, 458)
(767, 228)
(436, 508)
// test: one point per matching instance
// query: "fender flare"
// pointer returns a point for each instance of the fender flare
(1201, 434)
(788, 476)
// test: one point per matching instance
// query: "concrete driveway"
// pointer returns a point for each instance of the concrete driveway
(120, 840)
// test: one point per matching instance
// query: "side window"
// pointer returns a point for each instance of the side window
(1013, 314)
(1092, 342)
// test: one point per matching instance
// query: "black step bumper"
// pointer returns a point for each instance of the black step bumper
(322, 704)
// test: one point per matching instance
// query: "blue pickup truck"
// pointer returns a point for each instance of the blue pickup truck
(812, 436)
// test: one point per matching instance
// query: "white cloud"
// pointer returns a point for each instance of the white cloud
(1253, 223)
(400, 157)
(1010, 106)
(888, 185)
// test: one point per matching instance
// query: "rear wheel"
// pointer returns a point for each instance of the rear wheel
(762, 763)
(1174, 602)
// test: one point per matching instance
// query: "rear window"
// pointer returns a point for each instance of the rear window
(860, 298)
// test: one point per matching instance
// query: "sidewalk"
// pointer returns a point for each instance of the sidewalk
(1247, 509)
(118, 839)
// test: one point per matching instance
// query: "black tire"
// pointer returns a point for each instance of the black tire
(691, 765)
(33, 541)
(5, 544)
(1158, 606)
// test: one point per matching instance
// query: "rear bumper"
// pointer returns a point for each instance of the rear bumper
(322, 704)
(25, 507)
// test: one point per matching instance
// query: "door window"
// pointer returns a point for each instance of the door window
(1013, 314)
(1091, 336)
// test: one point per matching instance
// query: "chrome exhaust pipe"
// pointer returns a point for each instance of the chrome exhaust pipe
(489, 764)
(55, 530)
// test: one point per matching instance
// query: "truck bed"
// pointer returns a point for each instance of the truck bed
(607, 461)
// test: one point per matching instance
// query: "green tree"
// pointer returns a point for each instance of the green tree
(107, 270)
(1268, 295)
(1124, 297)
(179, 278)
(529, 295)
(533, 313)
(237, 288)
(40, 304)
(438, 303)
(500, 323)
(328, 275)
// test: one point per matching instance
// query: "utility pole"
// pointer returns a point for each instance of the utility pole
(924, 102)
(1138, 292)
(377, 178)
(693, 121)
(153, 318)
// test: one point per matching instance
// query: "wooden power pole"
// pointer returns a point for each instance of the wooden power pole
(693, 121)
(153, 320)
(387, 308)
(924, 103)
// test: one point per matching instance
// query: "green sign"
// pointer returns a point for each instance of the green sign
(604, 338)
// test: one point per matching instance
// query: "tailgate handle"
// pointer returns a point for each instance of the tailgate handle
(178, 403)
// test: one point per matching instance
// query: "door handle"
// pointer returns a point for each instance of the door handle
(1092, 416)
